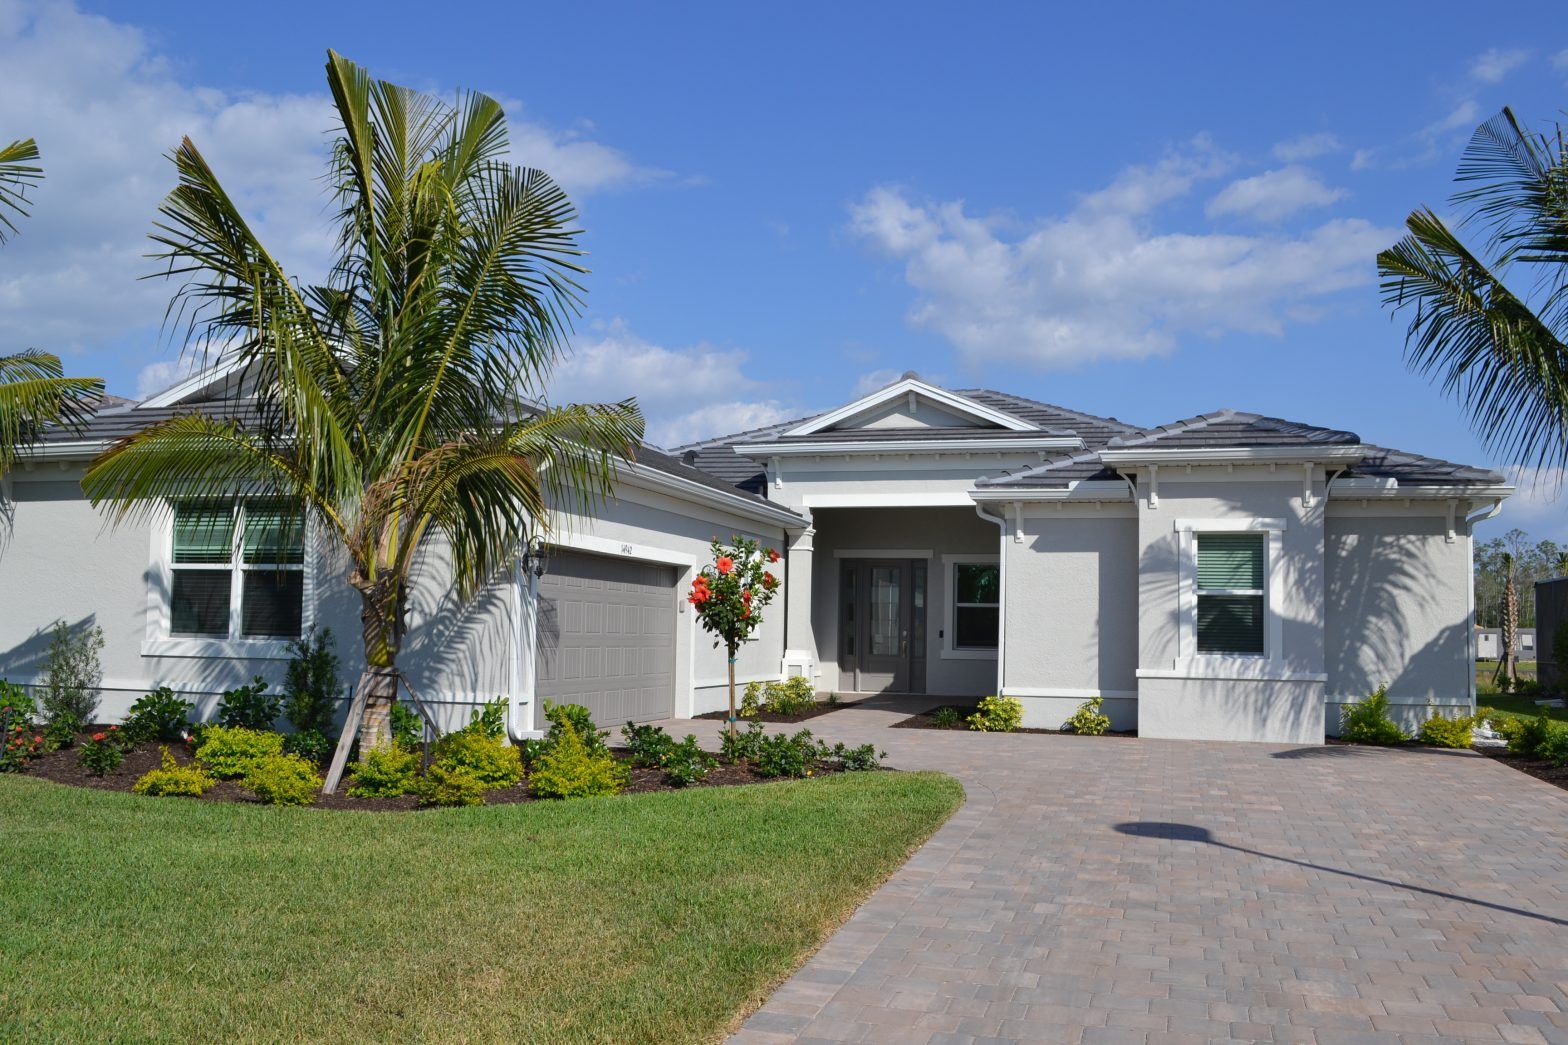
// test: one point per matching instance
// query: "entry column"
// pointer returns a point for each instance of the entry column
(800, 643)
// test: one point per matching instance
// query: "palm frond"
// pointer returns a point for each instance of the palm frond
(35, 394)
(18, 173)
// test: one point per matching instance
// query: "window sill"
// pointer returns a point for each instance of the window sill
(214, 649)
(968, 654)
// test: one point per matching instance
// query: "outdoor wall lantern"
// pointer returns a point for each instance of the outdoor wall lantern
(536, 557)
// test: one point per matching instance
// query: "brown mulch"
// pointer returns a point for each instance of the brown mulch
(64, 767)
(821, 707)
(926, 720)
(1555, 775)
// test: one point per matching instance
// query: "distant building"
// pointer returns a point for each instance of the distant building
(1489, 644)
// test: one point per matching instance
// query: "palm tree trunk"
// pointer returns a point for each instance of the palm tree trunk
(381, 619)
(1510, 634)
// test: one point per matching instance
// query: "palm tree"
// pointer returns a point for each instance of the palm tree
(34, 393)
(1507, 677)
(1503, 358)
(390, 402)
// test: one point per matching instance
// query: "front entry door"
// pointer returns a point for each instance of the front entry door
(883, 608)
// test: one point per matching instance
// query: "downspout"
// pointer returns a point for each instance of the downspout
(1001, 594)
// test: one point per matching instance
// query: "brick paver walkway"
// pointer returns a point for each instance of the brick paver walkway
(1118, 890)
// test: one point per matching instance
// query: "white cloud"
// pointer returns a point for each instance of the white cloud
(155, 377)
(1101, 281)
(876, 380)
(686, 393)
(1273, 195)
(1539, 507)
(1560, 61)
(106, 108)
(1496, 63)
(1466, 114)
(1306, 147)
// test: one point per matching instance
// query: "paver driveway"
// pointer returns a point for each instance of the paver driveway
(1158, 891)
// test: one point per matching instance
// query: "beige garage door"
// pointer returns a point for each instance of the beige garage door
(607, 637)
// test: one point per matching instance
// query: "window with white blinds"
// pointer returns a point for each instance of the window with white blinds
(1230, 592)
(237, 570)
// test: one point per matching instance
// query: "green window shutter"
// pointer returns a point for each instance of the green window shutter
(203, 533)
(1230, 560)
(1230, 624)
(274, 533)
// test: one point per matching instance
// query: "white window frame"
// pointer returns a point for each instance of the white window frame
(160, 641)
(950, 648)
(1187, 533)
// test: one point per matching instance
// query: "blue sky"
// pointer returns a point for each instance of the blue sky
(1148, 213)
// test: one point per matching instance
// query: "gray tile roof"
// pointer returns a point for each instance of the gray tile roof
(718, 457)
(1234, 428)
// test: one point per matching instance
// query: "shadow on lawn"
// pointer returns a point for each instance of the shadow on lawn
(1194, 833)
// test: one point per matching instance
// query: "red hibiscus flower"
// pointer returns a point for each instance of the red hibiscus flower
(99, 737)
(745, 596)
(724, 564)
(769, 581)
(773, 556)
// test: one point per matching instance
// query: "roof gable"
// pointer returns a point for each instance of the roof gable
(912, 403)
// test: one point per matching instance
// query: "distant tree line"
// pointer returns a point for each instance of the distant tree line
(1513, 551)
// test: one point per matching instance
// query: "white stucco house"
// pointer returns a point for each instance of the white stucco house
(1230, 576)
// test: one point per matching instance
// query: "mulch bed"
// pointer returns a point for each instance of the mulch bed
(927, 720)
(1555, 775)
(63, 767)
(821, 707)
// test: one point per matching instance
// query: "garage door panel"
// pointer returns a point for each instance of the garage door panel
(607, 637)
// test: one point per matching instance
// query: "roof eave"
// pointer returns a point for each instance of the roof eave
(954, 445)
(1234, 454)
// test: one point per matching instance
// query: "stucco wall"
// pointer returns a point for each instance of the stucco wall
(939, 531)
(1071, 615)
(1203, 709)
(60, 560)
(1397, 611)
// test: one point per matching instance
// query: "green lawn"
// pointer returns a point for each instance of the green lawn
(1518, 706)
(659, 917)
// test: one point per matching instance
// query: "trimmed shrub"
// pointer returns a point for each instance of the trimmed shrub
(489, 719)
(780, 755)
(852, 759)
(751, 701)
(310, 683)
(997, 715)
(1367, 721)
(1088, 720)
(19, 741)
(570, 769)
(1526, 736)
(230, 751)
(450, 786)
(647, 746)
(160, 715)
(581, 721)
(173, 779)
(1441, 731)
(794, 696)
(686, 763)
(72, 675)
(311, 745)
(103, 752)
(742, 745)
(249, 707)
(408, 729)
(491, 760)
(283, 780)
(385, 772)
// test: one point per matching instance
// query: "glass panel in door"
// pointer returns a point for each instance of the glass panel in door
(885, 599)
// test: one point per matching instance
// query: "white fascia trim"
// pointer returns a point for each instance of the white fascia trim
(175, 394)
(893, 448)
(883, 553)
(1237, 525)
(1370, 489)
(1080, 490)
(1234, 455)
(1071, 694)
(621, 549)
(81, 449)
(932, 499)
(948, 399)
(651, 478)
(1231, 669)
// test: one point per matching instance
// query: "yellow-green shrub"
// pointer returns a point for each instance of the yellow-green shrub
(1442, 731)
(570, 770)
(997, 715)
(450, 786)
(385, 772)
(1089, 720)
(171, 778)
(492, 761)
(230, 751)
(283, 780)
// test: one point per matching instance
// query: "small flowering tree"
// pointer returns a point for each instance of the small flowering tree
(729, 597)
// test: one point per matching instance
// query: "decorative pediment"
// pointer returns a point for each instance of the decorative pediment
(911, 403)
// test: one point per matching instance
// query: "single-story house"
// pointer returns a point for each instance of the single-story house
(1489, 644)
(1229, 576)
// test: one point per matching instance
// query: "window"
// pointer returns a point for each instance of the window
(976, 613)
(1230, 593)
(237, 570)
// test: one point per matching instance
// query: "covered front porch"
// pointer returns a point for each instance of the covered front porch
(896, 600)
